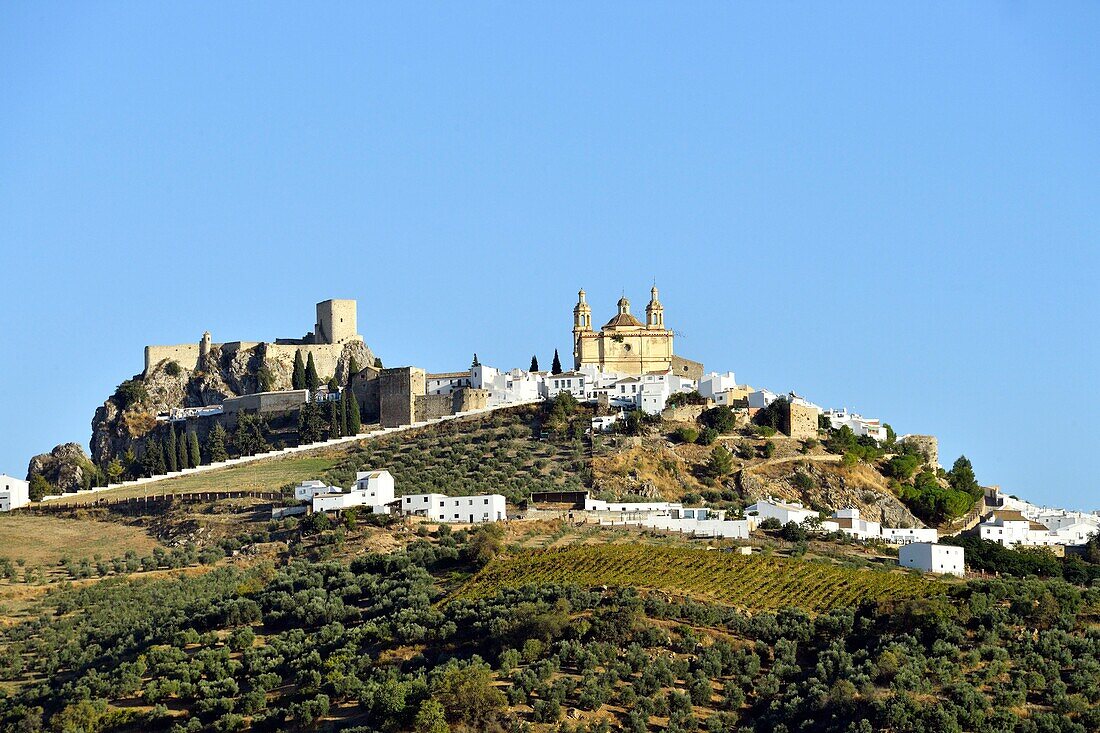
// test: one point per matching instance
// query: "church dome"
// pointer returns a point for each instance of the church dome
(623, 320)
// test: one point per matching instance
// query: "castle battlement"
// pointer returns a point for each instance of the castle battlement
(336, 326)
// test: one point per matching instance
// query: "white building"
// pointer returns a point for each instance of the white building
(724, 528)
(14, 493)
(657, 387)
(1075, 534)
(761, 398)
(856, 423)
(464, 509)
(337, 500)
(633, 507)
(447, 382)
(516, 385)
(306, 490)
(849, 523)
(931, 557)
(572, 382)
(714, 384)
(900, 536)
(783, 511)
(372, 489)
(1008, 528)
(606, 423)
(377, 486)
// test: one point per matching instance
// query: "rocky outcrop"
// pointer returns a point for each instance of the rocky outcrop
(224, 372)
(831, 486)
(66, 467)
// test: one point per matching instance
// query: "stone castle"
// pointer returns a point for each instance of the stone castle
(627, 346)
(335, 328)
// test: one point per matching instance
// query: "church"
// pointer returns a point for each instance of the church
(626, 345)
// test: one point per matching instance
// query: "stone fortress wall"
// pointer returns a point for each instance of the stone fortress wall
(336, 326)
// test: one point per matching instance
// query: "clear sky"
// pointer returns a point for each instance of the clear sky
(894, 209)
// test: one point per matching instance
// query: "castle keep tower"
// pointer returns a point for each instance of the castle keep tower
(336, 322)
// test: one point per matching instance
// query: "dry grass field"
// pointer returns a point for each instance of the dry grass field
(44, 540)
(266, 475)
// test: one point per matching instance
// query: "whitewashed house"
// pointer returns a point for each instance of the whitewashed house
(1057, 519)
(714, 384)
(760, 399)
(905, 536)
(849, 523)
(445, 383)
(306, 490)
(783, 511)
(372, 489)
(1075, 534)
(858, 424)
(931, 557)
(1009, 527)
(463, 509)
(606, 423)
(336, 500)
(572, 382)
(657, 387)
(516, 385)
(377, 487)
(14, 493)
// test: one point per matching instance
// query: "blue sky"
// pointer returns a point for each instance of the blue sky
(894, 209)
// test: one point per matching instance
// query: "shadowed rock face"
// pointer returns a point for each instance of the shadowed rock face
(67, 467)
(224, 373)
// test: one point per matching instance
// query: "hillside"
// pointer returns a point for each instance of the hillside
(326, 634)
(745, 582)
(514, 452)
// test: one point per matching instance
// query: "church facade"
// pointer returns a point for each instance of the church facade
(626, 345)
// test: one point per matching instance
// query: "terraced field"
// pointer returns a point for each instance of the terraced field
(755, 582)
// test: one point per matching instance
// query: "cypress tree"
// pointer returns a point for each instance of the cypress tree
(149, 458)
(310, 424)
(182, 461)
(265, 380)
(193, 449)
(475, 362)
(355, 423)
(378, 363)
(215, 444)
(171, 453)
(158, 459)
(334, 420)
(534, 363)
(332, 386)
(344, 412)
(312, 380)
(353, 368)
(298, 379)
(555, 368)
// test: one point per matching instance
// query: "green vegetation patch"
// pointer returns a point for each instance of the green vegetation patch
(754, 582)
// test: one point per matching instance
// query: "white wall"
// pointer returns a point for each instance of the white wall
(462, 509)
(14, 493)
(933, 558)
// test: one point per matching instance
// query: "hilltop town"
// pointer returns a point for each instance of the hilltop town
(193, 405)
(291, 535)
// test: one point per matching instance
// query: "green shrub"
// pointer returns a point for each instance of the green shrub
(687, 435)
